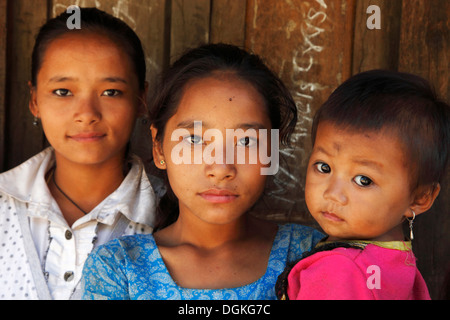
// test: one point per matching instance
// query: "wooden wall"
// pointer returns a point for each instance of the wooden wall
(314, 45)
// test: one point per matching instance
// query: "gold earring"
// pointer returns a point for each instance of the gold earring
(162, 162)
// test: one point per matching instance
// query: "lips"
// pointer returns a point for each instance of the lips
(331, 216)
(87, 136)
(218, 196)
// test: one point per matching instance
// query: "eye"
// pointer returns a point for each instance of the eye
(111, 93)
(362, 181)
(322, 167)
(247, 142)
(193, 139)
(62, 92)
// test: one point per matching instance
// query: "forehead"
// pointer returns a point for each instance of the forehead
(88, 42)
(85, 47)
(221, 102)
(382, 146)
(85, 56)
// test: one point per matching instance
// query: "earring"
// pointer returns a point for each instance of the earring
(410, 221)
(162, 162)
(35, 121)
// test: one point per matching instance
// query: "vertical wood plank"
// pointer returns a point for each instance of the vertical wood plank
(23, 139)
(228, 22)
(3, 19)
(425, 41)
(309, 45)
(190, 22)
(377, 48)
(424, 48)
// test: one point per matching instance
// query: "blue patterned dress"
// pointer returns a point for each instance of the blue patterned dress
(131, 267)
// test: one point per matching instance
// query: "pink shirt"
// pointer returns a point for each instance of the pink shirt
(374, 273)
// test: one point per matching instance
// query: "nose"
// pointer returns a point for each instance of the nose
(218, 167)
(336, 191)
(88, 111)
(221, 171)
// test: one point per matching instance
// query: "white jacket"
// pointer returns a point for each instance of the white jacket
(41, 256)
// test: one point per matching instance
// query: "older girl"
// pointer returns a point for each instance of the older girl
(87, 88)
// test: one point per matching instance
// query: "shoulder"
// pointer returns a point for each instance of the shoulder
(8, 210)
(334, 274)
(299, 231)
(128, 242)
(19, 181)
(298, 238)
(346, 256)
(125, 248)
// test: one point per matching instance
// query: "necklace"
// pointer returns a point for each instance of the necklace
(65, 195)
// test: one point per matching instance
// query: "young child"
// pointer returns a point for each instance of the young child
(380, 147)
(207, 246)
(87, 89)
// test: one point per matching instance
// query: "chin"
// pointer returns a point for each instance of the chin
(88, 160)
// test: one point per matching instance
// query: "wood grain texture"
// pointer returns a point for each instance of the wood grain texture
(228, 22)
(25, 139)
(377, 48)
(190, 21)
(3, 17)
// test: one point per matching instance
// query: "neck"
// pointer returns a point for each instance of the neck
(207, 235)
(86, 185)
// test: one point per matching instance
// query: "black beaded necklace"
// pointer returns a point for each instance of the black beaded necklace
(65, 195)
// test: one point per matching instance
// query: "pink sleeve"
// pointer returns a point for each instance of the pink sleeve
(328, 276)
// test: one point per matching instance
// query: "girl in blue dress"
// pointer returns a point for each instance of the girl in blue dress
(216, 121)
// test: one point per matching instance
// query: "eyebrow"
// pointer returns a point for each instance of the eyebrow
(62, 79)
(252, 125)
(322, 150)
(363, 162)
(114, 79)
(368, 163)
(106, 79)
(189, 124)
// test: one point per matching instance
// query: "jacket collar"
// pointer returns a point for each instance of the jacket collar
(26, 182)
(135, 197)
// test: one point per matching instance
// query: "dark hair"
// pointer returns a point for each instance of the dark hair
(92, 20)
(219, 60)
(404, 104)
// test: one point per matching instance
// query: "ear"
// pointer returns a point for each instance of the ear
(424, 198)
(32, 104)
(157, 151)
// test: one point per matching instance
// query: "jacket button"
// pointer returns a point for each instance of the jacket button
(68, 235)
(68, 276)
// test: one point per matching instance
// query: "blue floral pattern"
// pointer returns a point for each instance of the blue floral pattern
(131, 267)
